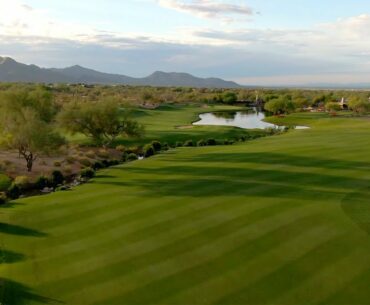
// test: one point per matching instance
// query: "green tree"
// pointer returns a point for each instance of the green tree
(280, 105)
(229, 97)
(332, 107)
(359, 104)
(25, 125)
(101, 121)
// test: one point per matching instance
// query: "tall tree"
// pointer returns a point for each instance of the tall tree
(101, 121)
(25, 125)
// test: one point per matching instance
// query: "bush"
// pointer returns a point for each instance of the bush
(70, 160)
(149, 151)
(157, 146)
(165, 146)
(13, 191)
(42, 182)
(90, 154)
(87, 173)
(85, 162)
(132, 157)
(5, 182)
(67, 169)
(211, 142)
(201, 143)
(57, 177)
(114, 162)
(179, 144)
(22, 182)
(98, 165)
(2, 198)
(133, 150)
(189, 143)
(121, 148)
(103, 154)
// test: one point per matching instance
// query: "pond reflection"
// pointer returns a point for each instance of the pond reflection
(249, 119)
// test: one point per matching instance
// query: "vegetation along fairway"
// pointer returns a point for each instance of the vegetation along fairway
(278, 220)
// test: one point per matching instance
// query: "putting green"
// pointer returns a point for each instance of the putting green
(278, 220)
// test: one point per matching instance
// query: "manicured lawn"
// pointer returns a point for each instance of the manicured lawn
(172, 123)
(279, 220)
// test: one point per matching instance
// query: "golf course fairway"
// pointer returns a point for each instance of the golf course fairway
(278, 220)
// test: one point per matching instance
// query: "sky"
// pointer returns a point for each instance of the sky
(253, 42)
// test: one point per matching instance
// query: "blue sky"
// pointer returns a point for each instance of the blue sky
(272, 42)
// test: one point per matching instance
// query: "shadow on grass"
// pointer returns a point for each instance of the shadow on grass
(19, 230)
(13, 293)
(9, 257)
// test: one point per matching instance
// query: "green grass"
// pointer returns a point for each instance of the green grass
(279, 220)
(163, 124)
(4, 182)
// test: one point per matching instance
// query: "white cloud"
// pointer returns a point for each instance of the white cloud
(208, 8)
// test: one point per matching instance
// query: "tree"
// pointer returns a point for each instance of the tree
(360, 105)
(101, 121)
(332, 107)
(280, 105)
(25, 126)
(229, 97)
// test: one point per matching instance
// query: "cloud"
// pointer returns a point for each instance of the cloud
(331, 50)
(208, 8)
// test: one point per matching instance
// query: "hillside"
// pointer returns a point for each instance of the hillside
(13, 71)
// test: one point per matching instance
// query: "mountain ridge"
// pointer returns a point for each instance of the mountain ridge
(13, 71)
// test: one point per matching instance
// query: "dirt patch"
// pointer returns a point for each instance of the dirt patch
(69, 160)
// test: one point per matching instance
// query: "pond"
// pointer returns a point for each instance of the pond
(251, 119)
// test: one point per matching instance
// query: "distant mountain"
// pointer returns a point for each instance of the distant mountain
(13, 71)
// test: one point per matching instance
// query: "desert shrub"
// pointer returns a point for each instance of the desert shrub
(157, 145)
(70, 159)
(90, 154)
(98, 165)
(149, 151)
(179, 144)
(133, 150)
(13, 191)
(87, 173)
(7, 162)
(211, 142)
(103, 154)
(132, 157)
(5, 182)
(114, 162)
(2, 198)
(22, 182)
(42, 182)
(57, 177)
(189, 143)
(121, 148)
(85, 162)
(67, 169)
(57, 164)
(201, 143)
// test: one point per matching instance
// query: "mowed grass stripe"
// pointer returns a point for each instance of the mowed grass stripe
(297, 246)
(293, 273)
(121, 227)
(194, 257)
(186, 280)
(175, 242)
(116, 254)
(332, 279)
